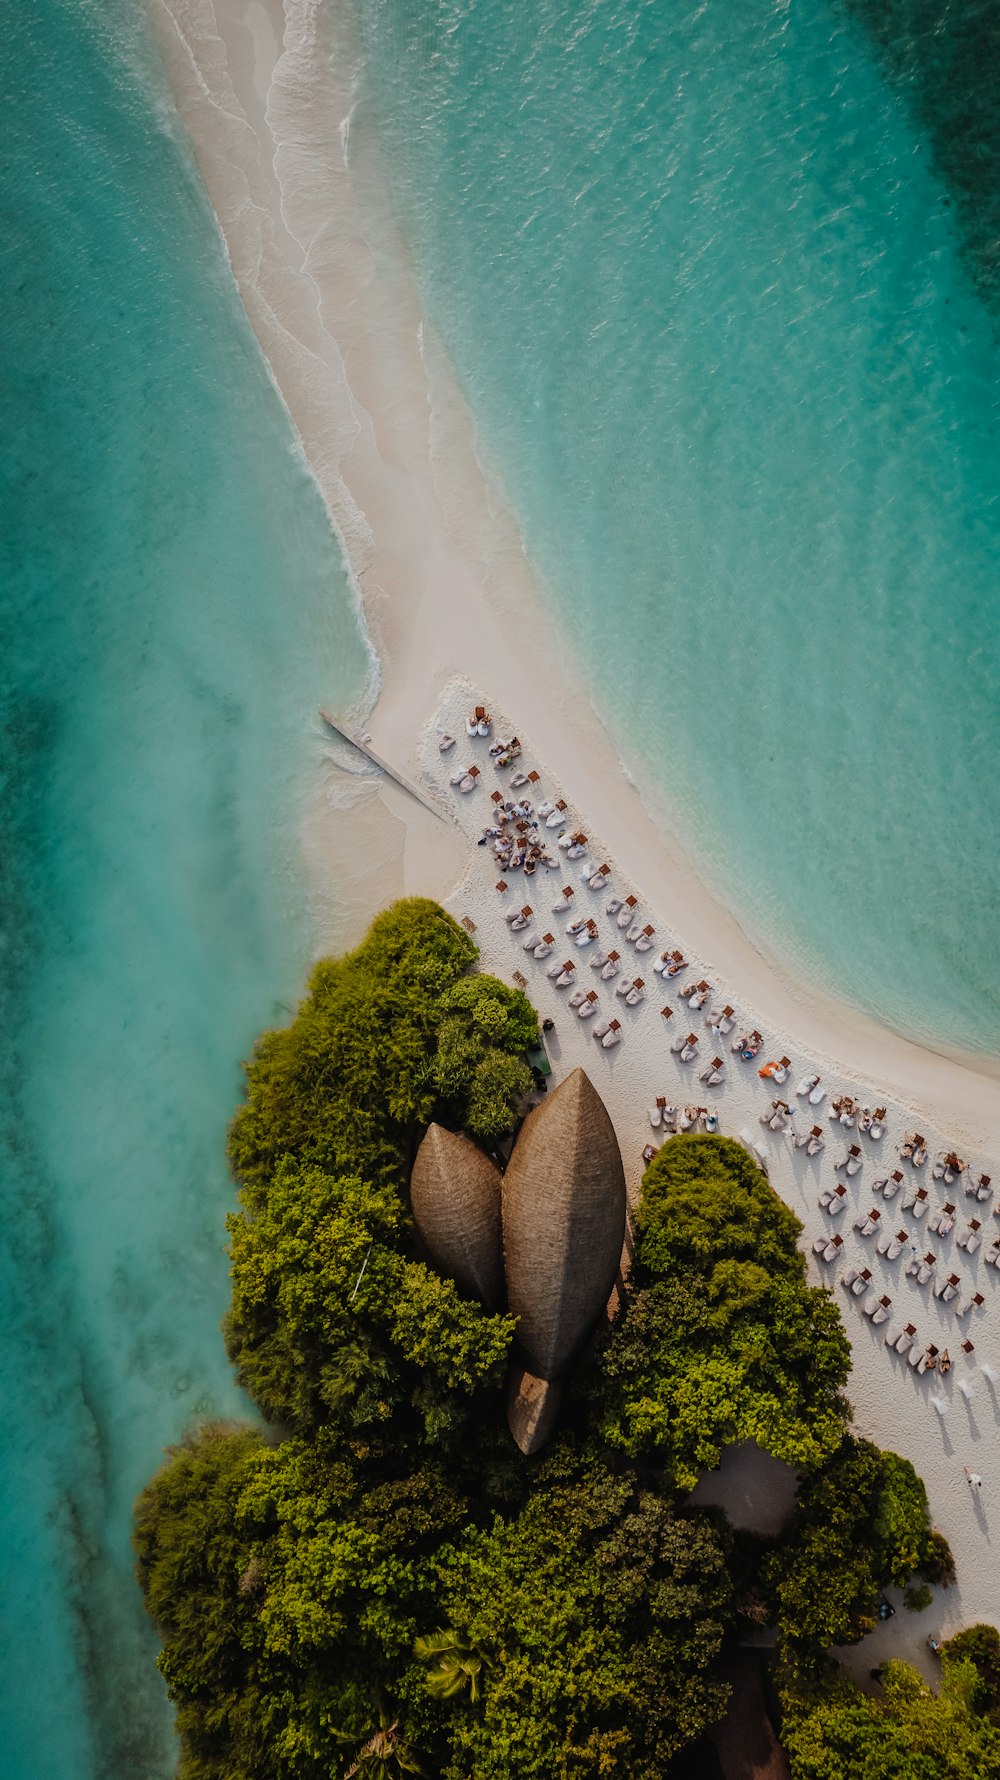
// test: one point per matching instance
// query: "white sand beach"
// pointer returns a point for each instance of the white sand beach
(455, 614)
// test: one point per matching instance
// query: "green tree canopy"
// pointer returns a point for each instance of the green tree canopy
(720, 1339)
(288, 1595)
(906, 1734)
(597, 1614)
(331, 1323)
(479, 1068)
(861, 1523)
(387, 1038)
(382, 1585)
(979, 1645)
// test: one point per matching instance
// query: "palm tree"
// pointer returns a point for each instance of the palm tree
(385, 1756)
(454, 1664)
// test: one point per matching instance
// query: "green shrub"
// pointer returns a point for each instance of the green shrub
(386, 1039)
(840, 1733)
(938, 1564)
(916, 1599)
(979, 1645)
(861, 1523)
(332, 1324)
(719, 1339)
(597, 1614)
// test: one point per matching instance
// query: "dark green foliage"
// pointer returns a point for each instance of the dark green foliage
(601, 1610)
(288, 1595)
(720, 1339)
(479, 1067)
(938, 1565)
(905, 1734)
(917, 1597)
(861, 1523)
(331, 1323)
(391, 1589)
(387, 1038)
(979, 1645)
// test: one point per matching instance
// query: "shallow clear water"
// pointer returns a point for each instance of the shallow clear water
(704, 290)
(173, 610)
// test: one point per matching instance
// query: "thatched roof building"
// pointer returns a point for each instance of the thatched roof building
(455, 1200)
(563, 1223)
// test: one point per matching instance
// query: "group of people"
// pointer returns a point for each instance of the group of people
(516, 837)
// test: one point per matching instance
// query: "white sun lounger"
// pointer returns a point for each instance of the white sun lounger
(612, 1037)
(806, 1085)
(612, 905)
(545, 947)
(600, 1029)
(566, 977)
(948, 1288)
(611, 969)
(969, 1304)
(892, 1246)
(576, 998)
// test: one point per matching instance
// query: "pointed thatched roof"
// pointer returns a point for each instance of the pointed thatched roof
(455, 1200)
(532, 1408)
(563, 1223)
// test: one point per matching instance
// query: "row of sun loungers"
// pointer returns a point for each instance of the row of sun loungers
(674, 1118)
(640, 933)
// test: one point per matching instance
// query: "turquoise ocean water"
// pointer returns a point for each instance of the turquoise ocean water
(173, 610)
(704, 281)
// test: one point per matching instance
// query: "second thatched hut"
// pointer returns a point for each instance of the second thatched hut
(563, 1223)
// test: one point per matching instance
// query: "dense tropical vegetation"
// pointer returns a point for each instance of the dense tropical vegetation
(375, 1582)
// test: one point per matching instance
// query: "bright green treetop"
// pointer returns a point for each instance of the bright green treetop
(720, 1339)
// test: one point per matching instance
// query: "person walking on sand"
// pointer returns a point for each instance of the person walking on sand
(975, 1481)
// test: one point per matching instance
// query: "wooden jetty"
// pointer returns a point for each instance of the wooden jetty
(362, 742)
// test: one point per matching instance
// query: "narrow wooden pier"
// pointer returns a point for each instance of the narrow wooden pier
(363, 745)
